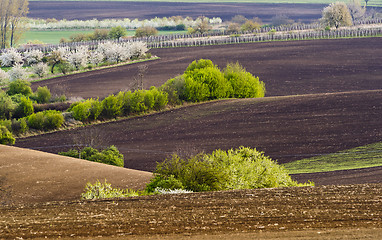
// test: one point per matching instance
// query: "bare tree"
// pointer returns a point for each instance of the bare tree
(138, 80)
(11, 14)
(356, 10)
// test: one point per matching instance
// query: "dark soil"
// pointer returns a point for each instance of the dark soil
(287, 68)
(285, 128)
(147, 10)
(234, 212)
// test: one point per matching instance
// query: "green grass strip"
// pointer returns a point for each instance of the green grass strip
(355, 158)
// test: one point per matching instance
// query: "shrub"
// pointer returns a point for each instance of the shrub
(25, 108)
(244, 84)
(104, 190)
(11, 58)
(146, 31)
(43, 94)
(6, 137)
(7, 106)
(110, 155)
(138, 102)
(4, 77)
(250, 26)
(20, 87)
(7, 124)
(160, 98)
(242, 168)
(33, 56)
(19, 126)
(112, 107)
(175, 90)
(46, 120)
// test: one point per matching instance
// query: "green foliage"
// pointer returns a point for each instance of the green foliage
(244, 84)
(104, 190)
(19, 126)
(7, 106)
(117, 32)
(138, 102)
(205, 81)
(242, 168)
(146, 31)
(46, 120)
(175, 90)
(25, 108)
(6, 137)
(111, 107)
(21, 87)
(250, 26)
(43, 94)
(110, 155)
(160, 98)
(87, 110)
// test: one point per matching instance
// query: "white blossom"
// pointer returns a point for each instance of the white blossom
(78, 57)
(17, 72)
(138, 49)
(11, 58)
(33, 56)
(4, 76)
(40, 69)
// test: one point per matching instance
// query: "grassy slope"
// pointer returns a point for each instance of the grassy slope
(54, 36)
(360, 157)
(371, 2)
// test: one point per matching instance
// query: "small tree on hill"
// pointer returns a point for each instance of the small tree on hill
(146, 31)
(336, 14)
(117, 32)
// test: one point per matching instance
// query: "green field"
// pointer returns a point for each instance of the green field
(360, 157)
(54, 36)
(376, 3)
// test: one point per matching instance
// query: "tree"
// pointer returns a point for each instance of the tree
(366, 1)
(11, 14)
(356, 10)
(117, 32)
(336, 14)
(146, 31)
(249, 26)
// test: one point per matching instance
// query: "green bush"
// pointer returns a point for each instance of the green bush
(6, 123)
(25, 108)
(242, 168)
(244, 84)
(87, 110)
(43, 94)
(46, 120)
(138, 102)
(117, 32)
(6, 137)
(146, 31)
(7, 106)
(19, 126)
(21, 87)
(111, 107)
(110, 155)
(104, 190)
(160, 98)
(175, 90)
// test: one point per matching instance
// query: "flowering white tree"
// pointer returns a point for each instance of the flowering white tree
(3, 76)
(40, 69)
(17, 72)
(78, 57)
(96, 57)
(33, 56)
(11, 58)
(115, 52)
(57, 56)
(138, 49)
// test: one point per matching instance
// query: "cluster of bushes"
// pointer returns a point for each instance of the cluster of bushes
(98, 34)
(122, 104)
(17, 111)
(110, 155)
(242, 168)
(203, 81)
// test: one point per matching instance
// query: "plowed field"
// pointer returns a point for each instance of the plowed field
(327, 212)
(287, 68)
(147, 10)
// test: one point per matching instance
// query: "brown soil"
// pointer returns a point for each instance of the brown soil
(287, 68)
(285, 128)
(147, 10)
(28, 176)
(230, 215)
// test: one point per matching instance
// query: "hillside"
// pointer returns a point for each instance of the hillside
(28, 176)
